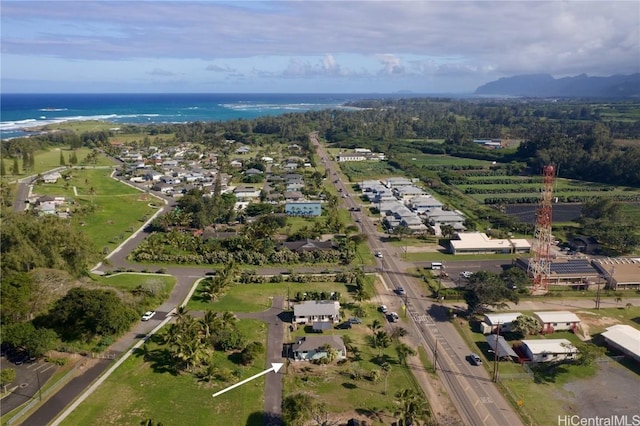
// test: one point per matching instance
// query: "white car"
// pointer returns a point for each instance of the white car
(466, 274)
(148, 315)
(379, 254)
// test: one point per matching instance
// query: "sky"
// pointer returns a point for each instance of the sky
(308, 46)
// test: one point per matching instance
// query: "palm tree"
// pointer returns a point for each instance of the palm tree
(381, 340)
(210, 322)
(404, 351)
(411, 407)
(375, 325)
(181, 313)
(398, 332)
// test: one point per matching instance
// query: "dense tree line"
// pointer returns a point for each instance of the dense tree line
(28, 242)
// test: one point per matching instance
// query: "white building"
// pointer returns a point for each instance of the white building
(625, 339)
(479, 242)
(503, 319)
(557, 321)
(547, 350)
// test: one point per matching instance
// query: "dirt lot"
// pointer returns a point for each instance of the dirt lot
(613, 391)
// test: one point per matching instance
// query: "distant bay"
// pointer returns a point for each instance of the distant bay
(20, 112)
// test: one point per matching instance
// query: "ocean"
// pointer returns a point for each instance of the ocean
(23, 111)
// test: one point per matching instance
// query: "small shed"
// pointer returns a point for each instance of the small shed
(557, 321)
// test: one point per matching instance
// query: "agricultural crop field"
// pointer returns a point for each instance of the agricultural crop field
(483, 188)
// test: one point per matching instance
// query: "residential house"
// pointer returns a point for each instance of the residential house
(246, 192)
(311, 311)
(243, 150)
(236, 163)
(267, 160)
(153, 176)
(51, 177)
(290, 196)
(547, 350)
(503, 320)
(308, 245)
(310, 348)
(557, 321)
(252, 172)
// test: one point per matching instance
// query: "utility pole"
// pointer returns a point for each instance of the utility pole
(496, 358)
(435, 356)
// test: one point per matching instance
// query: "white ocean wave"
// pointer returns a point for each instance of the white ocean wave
(32, 122)
(53, 109)
(268, 106)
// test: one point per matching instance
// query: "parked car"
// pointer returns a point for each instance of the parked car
(475, 359)
(400, 291)
(383, 309)
(355, 320)
(466, 274)
(393, 317)
(148, 315)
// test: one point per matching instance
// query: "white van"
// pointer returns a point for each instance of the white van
(436, 266)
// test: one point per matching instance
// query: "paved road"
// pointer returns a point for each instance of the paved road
(477, 399)
(274, 318)
(50, 409)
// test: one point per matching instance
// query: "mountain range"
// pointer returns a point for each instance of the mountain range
(580, 86)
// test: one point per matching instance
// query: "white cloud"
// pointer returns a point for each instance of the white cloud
(290, 39)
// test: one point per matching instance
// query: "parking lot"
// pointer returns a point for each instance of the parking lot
(30, 377)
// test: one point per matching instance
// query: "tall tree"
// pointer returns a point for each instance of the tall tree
(485, 289)
(411, 408)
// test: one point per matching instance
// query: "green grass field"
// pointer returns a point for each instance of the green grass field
(107, 210)
(140, 390)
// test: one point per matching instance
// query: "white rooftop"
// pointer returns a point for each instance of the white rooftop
(556, 316)
(624, 336)
(473, 240)
(553, 346)
(501, 317)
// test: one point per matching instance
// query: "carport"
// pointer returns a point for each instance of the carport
(500, 346)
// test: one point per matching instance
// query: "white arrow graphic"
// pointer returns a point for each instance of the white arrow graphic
(275, 366)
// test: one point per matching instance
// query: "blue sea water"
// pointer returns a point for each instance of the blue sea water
(20, 112)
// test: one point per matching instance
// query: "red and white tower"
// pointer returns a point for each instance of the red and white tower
(540, 262)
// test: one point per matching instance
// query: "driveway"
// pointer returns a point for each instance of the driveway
(273, 317)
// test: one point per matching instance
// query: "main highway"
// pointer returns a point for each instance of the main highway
(477, 398)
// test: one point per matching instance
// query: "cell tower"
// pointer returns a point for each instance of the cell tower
(540, 262)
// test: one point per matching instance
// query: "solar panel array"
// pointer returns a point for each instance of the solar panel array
(573, 267)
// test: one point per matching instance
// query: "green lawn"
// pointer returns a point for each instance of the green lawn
(258, 297)
(50, 159)
(140, 390)
(100, 205)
